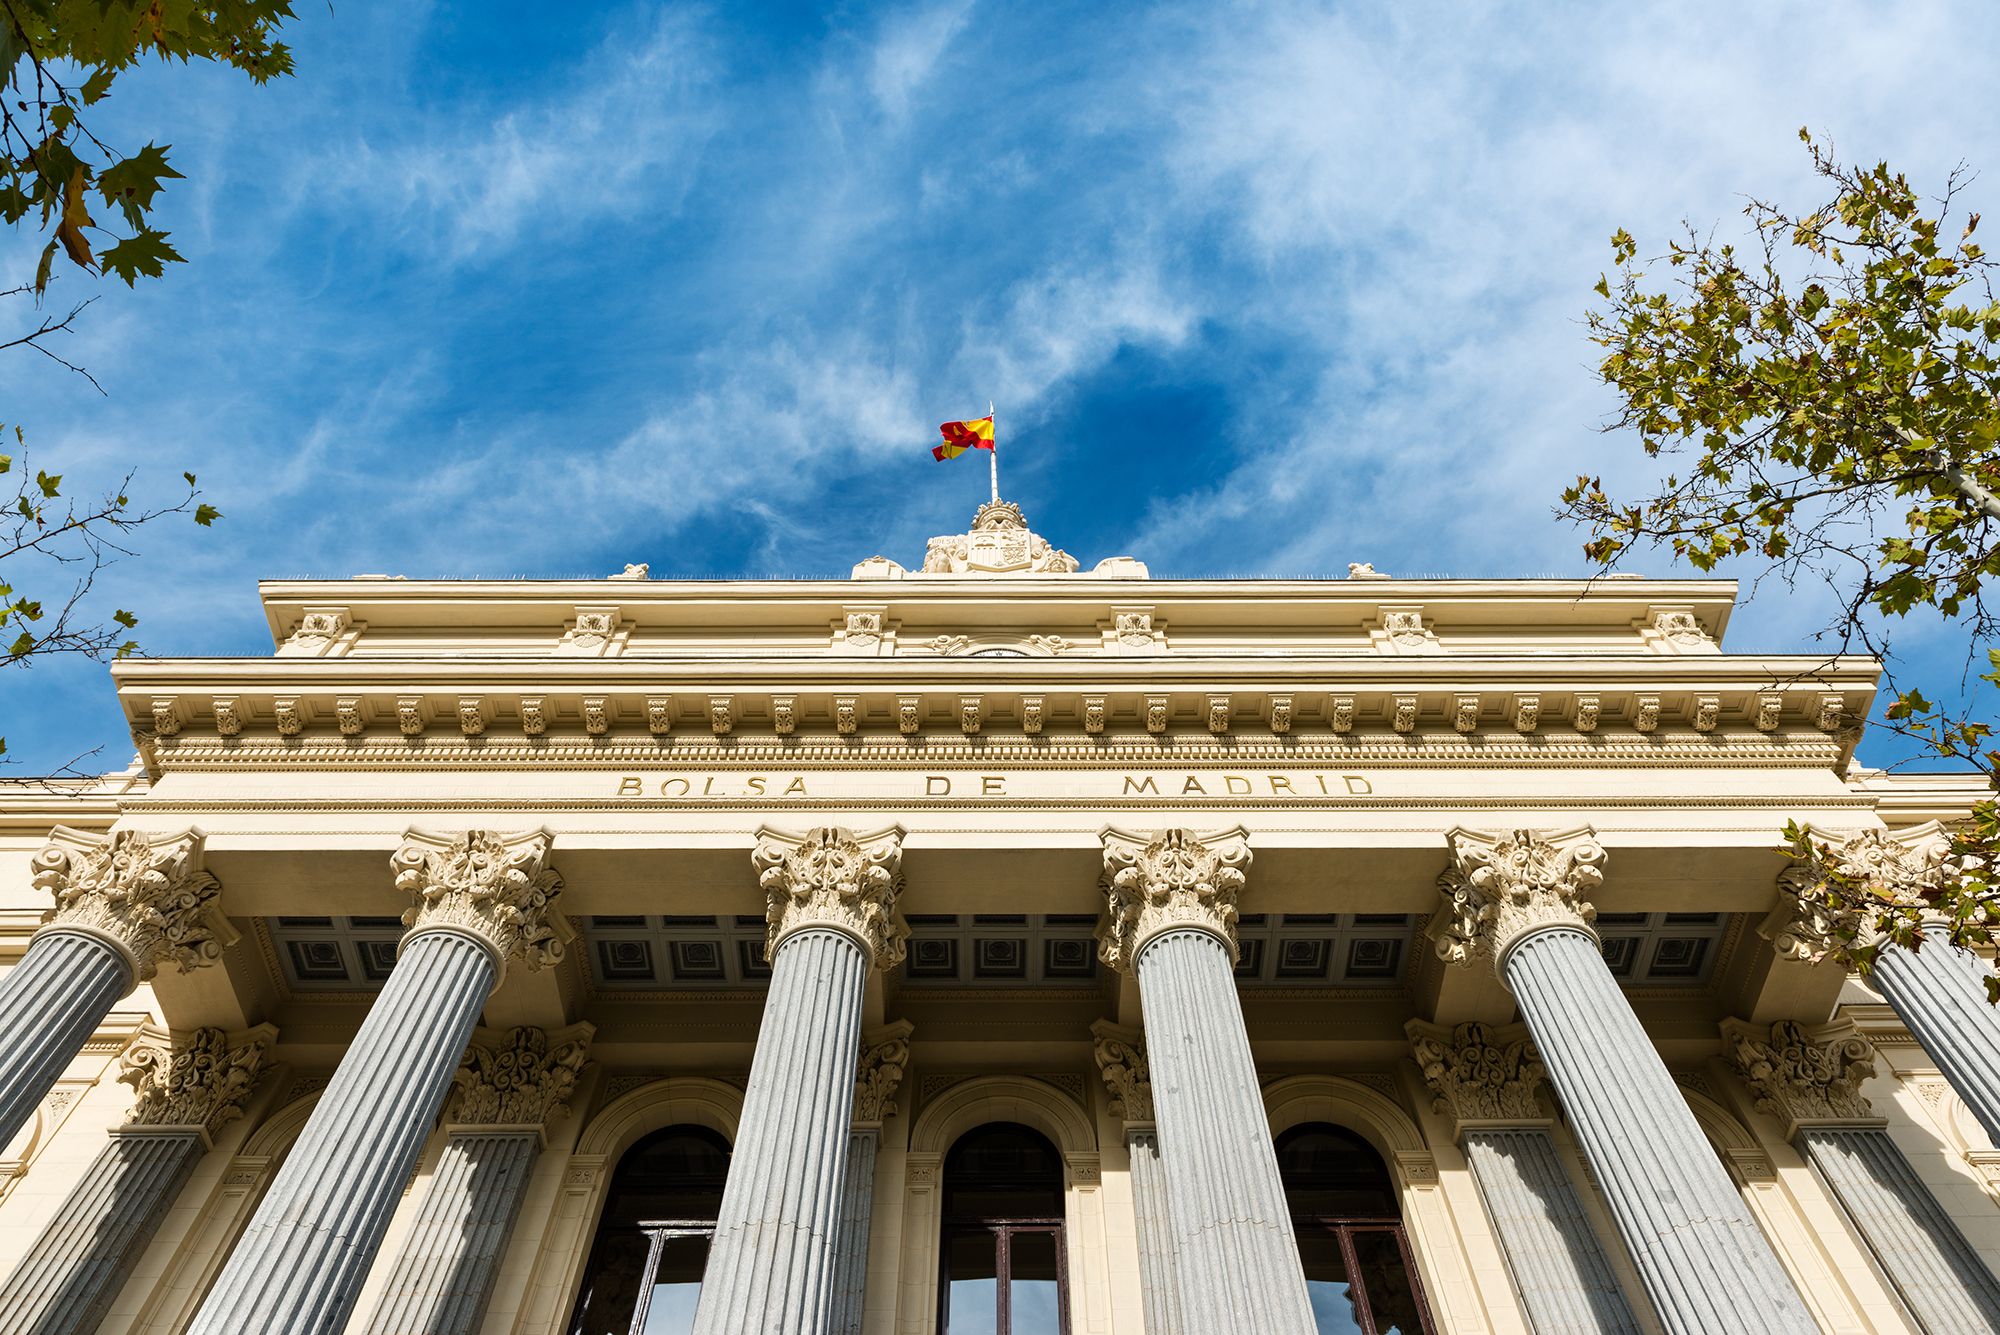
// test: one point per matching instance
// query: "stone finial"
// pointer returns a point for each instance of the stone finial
(1803, 1076)
(1849, 893)
(145, 895)
(885, 1055)
(1501, 887)
(1478, 1072)
(829, 877)
(519, 1077)
(199, 1079)
(496, 887)
(1176, 878)
(1121, 1061)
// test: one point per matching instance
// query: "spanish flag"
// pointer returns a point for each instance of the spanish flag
(962, 436)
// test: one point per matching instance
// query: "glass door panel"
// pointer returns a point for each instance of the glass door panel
(1327, 1285)
(1034, 1284)
(611, 1288)
(676, 1285)
(971, 1289)
(1385, 1273)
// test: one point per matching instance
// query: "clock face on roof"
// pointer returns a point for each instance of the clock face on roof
(996, 653)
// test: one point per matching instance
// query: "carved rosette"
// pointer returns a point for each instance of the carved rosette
(829, 877)
(1501, 887)
(1121, 1062)
(496, 887)
(519, 1077)
(199, 1079)
(1479, 1073)
(146, 895)
(1802, 1075)
(885, 1055)
(1855, 887)
(1174, 879)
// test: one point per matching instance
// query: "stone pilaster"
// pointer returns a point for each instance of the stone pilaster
(1520, 900)
(1170, 918)
(298, 1268)
(510, 1085)
(831, 907)
(188, 1089)
(1121, 1062)
(124, 904)
(1810, 1081)
(1485, 1079)
(885, 1055)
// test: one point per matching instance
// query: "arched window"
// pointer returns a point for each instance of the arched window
(1359, 1271)
(1004, 1271)
(652, 1240)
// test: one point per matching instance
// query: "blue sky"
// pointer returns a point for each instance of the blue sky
(506, 289)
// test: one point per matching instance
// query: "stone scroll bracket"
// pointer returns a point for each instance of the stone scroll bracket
(145, 895)
(834, 879)
(518, 1079)
(1167, 881)
(885, 1058)
(198, 1080)
(1502, 887)
(1121, 1062)
(497, 889)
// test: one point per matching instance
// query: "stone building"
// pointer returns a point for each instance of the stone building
(993, 946)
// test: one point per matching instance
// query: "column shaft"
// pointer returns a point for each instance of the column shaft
(1941, 1279)
(857, 1216)
(1232, 1240)
(1700, 1254)
(87, 1250)
(445, 1269)
(1940, 993)
(770, 1271)
(299, 1266)
(1559, 1270)
(1150, 1213)
(50, 1004)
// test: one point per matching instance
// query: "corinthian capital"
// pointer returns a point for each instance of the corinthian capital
(1176, 878)
(519, 1077)
(1501, 887)
(1479, 1073)
(1121, 1061)
(199, 1079)
(1851, 889)
(496, 887)
(145, 895)
(830, 877)
(885, 1055)
(1803, 1076)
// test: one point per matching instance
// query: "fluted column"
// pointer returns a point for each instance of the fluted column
(885, 1054)
(1519, 902)
(510, 1085)
(1485, 1080)
(1810, 1080)
(831, 904)
(124, 904)
(1170, 918)
(297, 1270)
(1845, 900)
(1121, 1061)
(187, 1090)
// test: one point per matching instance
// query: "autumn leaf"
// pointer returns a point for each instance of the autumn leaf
(147, 253)
(76, 217)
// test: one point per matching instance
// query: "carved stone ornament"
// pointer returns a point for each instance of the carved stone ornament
(146, 895)
(1707, 713)
(1854, 888)
(347, 716)
(1831, 715)
(1281, 714)
(1589, 708)
(721, 714)
(950, 644)
(1501, 887)
(1527, 713)
(1681, 629)
(166, 716)
(999, 544)
(909, 714)
(1156, 714)
(1032, 707)
(1646, 714)
(1479, 1073)
(830, 877)
(596, 715)
(472, 716)
(968, 714)
(846, 715)
(1465, 713)
(1342, 716)
(496, 887)
(534, 715)
(784, 714)
(1049, 644)
(885, 1055)
(317, 627)
(1093, 714)
(199, 1079)
(519, 1077)
(1176, 878)
(289, 717)
(1802, 1075)
(862, 628)
(410, 714)
(228, 715)
(1218, 714)
(1403, 717)
(1770, 710)
(1121, 1061)
(1133, 628)
(659, 715)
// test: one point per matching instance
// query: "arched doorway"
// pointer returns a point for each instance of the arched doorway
(1002, 1253)
(645, 1266)
(1360, 1273)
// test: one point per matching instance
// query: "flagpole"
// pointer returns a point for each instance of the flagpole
(993, 455)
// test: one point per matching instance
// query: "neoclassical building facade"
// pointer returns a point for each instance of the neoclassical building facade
(999, 947)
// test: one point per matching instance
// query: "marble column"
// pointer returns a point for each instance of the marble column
(482, 899)
(1485, 1080)
(830, 899)
(885, 1054)
(124, 904)
(511, 1084)
(1121, 1061)
(1170, 918)
(187, 1089)
(1519, 903)
(1810, 1081)
(1844, 900)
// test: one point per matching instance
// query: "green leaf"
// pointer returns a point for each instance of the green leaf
(125, 618)
(51, 485)
(205, 514)
(132, 183)
(147, 253)
(97, 85)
